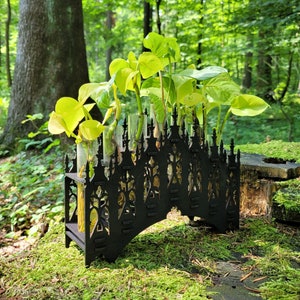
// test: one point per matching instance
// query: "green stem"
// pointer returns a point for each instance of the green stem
(218, 120)
(220, 131)
(118, 104)
(108, 137)
(140, 112)
(162, 92)
(170, 81)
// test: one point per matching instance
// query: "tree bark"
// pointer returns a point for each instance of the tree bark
(199, 46)
(264, 67)
(147, 21)
(109, 51)
(7, 60)
(51, 61)
(247, 78)
(158, 21)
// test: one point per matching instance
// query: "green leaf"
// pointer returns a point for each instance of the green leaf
(71, 112)
(221, 89)
(158, 108)
(156, 43)
(56, 124)
(103, 100)
(184, 86)
(211, 105)
(173, 49)
(193, 99)
(33, 117)
(163, 47)
(149, 64)
(66, 104)
(169, 90)
(132, 61)
(125, 79)
(152, 88)
(248, 105)
(93, 90)
(86, 90)
(67, 115)
(151, 91)
(91, 129)
(116, 65)
(203, 74)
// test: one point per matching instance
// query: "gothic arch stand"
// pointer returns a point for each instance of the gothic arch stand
(129, 195)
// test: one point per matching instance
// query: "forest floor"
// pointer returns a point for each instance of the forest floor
(169, 260)
(11, 246)
(259, 261)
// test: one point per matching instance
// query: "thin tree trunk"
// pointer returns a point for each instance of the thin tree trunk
(199, 46)
(109, 51)
(158, 21)
(7, 24)
(237, 68)
(264, 66)
(289, 119)
(147, 20)
(247, 78)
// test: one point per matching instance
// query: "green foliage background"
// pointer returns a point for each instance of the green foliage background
(157, 262)
(225, 32)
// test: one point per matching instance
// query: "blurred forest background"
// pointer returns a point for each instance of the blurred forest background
(51, 47)
(257, 41)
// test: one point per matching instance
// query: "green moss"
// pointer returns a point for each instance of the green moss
(289, 198)
(276, 149)
(167, 261)
(277, 264)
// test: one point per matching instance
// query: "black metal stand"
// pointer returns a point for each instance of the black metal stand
(131, 194)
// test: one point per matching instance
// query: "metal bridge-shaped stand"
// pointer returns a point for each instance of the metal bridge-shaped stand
(129, 195)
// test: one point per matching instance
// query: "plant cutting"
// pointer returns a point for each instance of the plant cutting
(73, 117)
(155, 83)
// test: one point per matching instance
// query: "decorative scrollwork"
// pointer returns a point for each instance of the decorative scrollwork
(136, 189)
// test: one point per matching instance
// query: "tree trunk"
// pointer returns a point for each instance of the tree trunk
(158, 21)
(264, 67)
(109, 51)
(247, 78)
(199, 46)
(147, 20)
(51, 61)
(7, 60)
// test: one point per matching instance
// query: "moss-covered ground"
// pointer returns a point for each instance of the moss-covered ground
(170, 260)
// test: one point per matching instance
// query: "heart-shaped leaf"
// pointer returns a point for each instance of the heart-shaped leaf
(117, 64)
(193, 99)
(125, 80)
(56, 124)
(91, 129)
(203, 74)
(71, 112)
(149, 64)
(248, 105)
(221, 88)
(92, 90)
